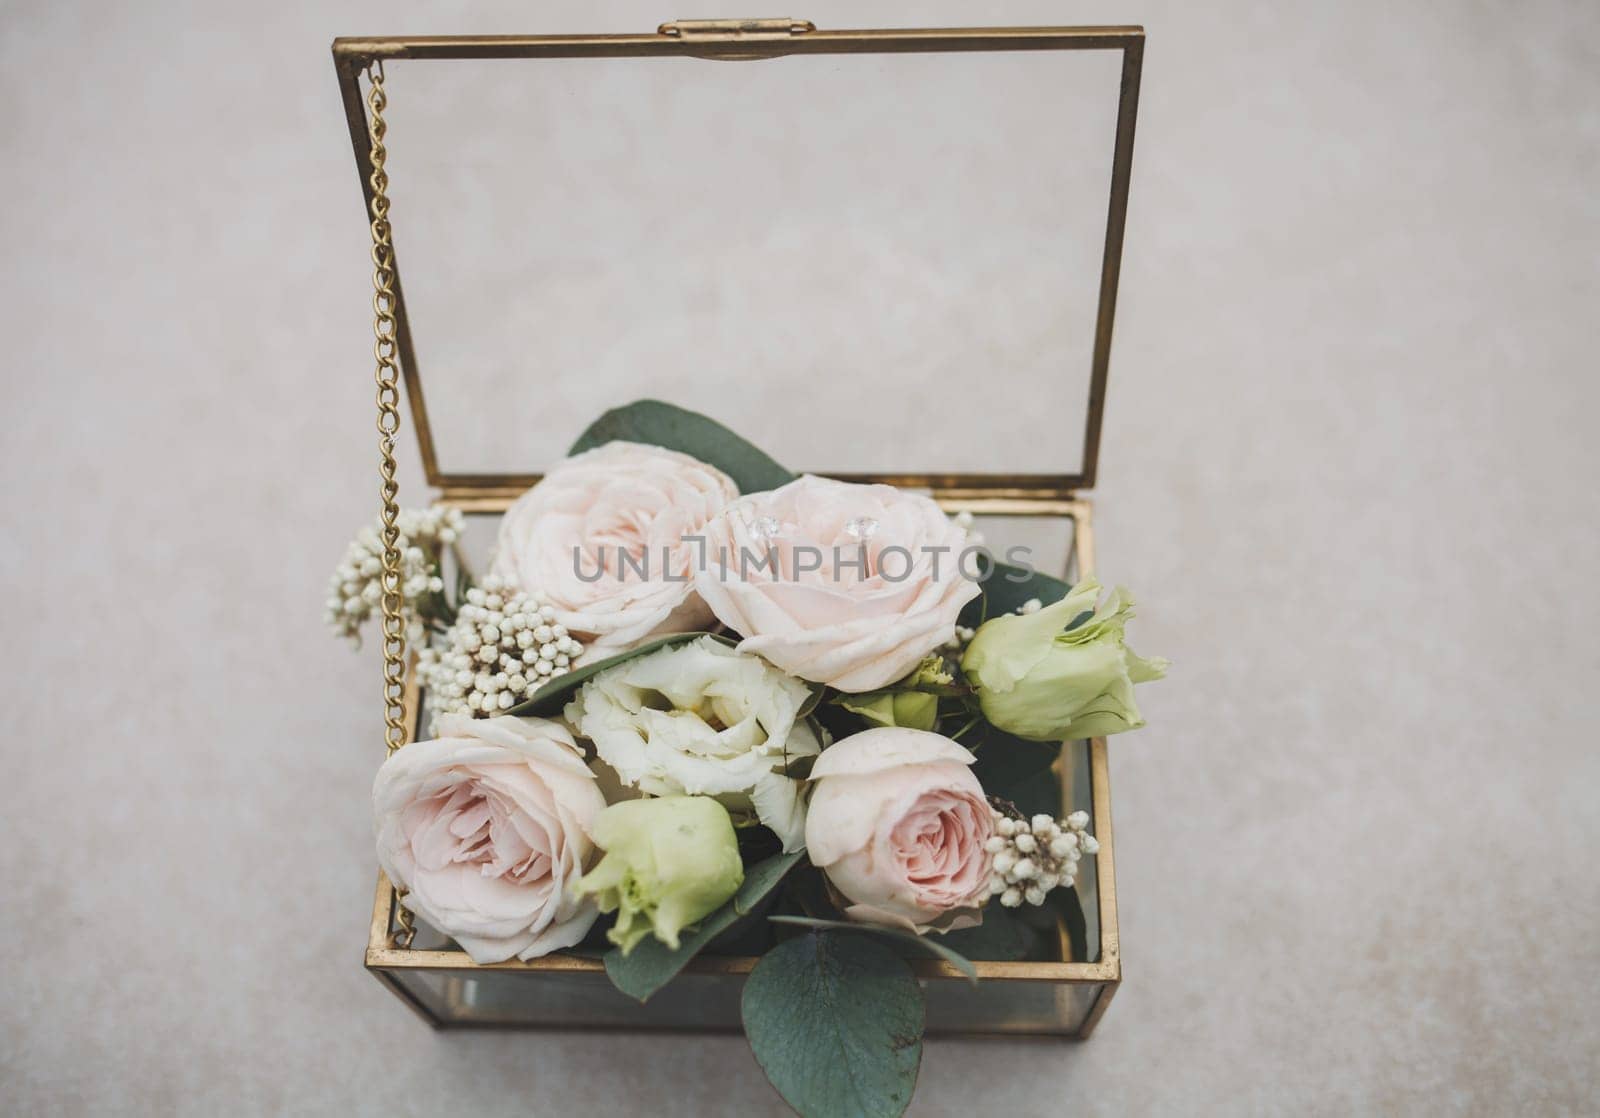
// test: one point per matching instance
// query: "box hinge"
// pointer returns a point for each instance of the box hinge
(724, 38)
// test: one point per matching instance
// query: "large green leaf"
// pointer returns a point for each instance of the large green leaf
(836, 1023)
(653, 964)
(761, 878)
(549, 699)
(666, 425)
(1008, 587)
(929, 943)
(1016, 769)
(1001, 938)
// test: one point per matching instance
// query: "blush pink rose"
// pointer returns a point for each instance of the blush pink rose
(592, 509)
(898, 824)
(815, 610)
(486, 827)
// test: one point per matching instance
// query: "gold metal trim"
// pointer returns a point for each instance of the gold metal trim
(383, 958)
(769, 39)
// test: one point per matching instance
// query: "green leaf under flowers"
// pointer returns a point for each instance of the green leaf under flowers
(836, 1021)
(653, 964)
(928, 943)
(1009, 587)
(549, 699)
(813, 700)
(761, 878)
(1069, 906)
(1016, 769)
(666, 425)
(1001, 938)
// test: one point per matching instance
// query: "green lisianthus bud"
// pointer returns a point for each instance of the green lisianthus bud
(1037, 679)
(932, 672)
(669, 863)
(915, 710)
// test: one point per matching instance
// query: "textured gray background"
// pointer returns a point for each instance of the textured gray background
(1349, 467)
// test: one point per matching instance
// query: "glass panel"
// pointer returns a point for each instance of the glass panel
(1077, 795)
(843, 257)
(710, 1002)
(575, 1000)
(957, 1007)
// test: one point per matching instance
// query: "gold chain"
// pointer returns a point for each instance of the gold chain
(387, 375)
(388, 379)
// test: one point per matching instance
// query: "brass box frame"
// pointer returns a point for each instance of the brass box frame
(990, 494)
(400, 968)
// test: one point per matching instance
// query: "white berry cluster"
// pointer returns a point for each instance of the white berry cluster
(505, 644)
(963, 635)
(1033, 856)
(355, 591)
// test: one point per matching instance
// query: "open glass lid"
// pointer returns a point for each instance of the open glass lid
(884, 254)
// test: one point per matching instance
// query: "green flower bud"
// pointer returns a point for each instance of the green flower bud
(915, 710)
(932, 672)
(669, 863)
(1037, 679)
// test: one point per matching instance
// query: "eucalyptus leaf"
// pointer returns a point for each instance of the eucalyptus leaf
(666, 425)
(929, 943)
(761, 878)
(652, 964)
(1001, 938)
(548, 700)
(836, 1021)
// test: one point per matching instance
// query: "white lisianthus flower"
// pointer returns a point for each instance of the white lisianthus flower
(701, 719)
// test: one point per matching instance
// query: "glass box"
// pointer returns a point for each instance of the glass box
(866, 214)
